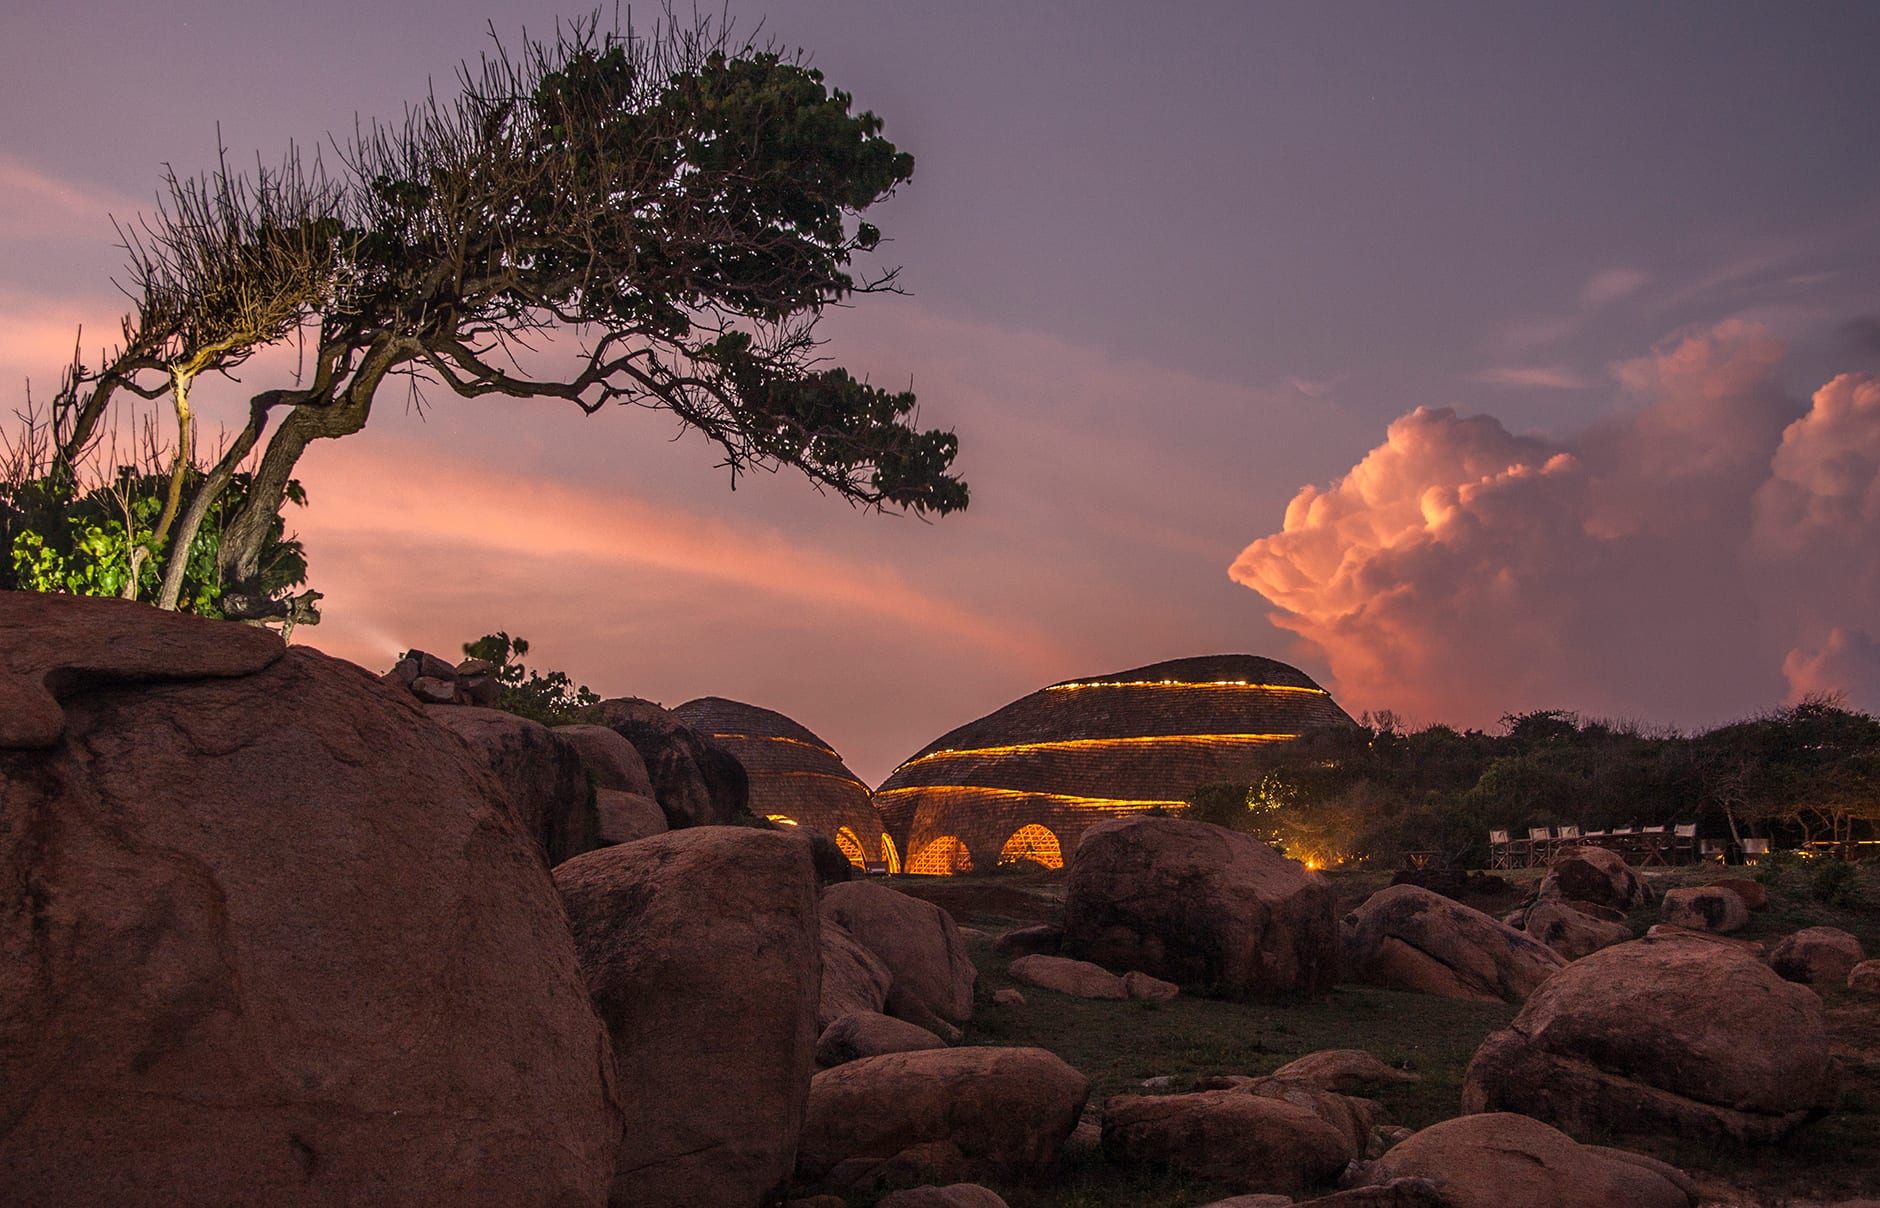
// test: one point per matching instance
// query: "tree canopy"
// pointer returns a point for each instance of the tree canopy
(680, 206)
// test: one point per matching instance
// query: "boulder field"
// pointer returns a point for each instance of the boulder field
(287, 934)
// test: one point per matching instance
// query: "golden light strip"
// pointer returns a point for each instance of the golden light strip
(1186, 684)
(814, 746)
(1091, 744)
(1116, 803)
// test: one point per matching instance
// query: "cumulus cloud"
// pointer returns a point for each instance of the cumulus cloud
(1688, 560)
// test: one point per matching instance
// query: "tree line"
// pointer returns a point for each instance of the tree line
(1807, 774)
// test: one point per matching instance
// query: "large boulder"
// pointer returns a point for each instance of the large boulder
(611, 761)
(1597, 875)
(696, 781)
(866, 1034)
(1079, 979)
(1817, 956)
(1001, 1111)
(1503, 1160)
(953, 1195)
(1407, 938)
(853, 978)
(1704, 908)
(624, 817)
(1669, 1035)
(672, 932)
(1247, 1141)
(544, 779)
(931, 977)
(1194, 903)
(277, 937)
(1573, 929)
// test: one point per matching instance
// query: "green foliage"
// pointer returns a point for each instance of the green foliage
(1835, 882)
(552, 698)
(1805, 774)
(80, 542)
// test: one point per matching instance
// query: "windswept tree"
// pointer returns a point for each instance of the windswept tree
(663, 217)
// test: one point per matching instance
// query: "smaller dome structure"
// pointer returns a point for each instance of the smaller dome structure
(1026, 781)
(797, 779)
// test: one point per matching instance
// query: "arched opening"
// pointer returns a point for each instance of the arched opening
(781, 819)
(943, 857)
(1034, 843)
(851, 846)
(890, 854)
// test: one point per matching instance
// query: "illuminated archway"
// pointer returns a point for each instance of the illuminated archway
(942, 858)
(1034, 843)
(890, 854)
(781, 819)
(851, 845)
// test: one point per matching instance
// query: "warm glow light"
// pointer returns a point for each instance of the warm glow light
(1098, 744)
(943, 857)
(781, 820)
(890, 854)
(814, 746)
(1034, 843)
(1119, 804)
(1244, 684)
(851, 845)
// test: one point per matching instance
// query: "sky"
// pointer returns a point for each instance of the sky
(1475, 358)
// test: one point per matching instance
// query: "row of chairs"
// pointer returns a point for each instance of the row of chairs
(1643, 845)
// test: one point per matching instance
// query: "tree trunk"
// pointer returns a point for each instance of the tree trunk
(239, 560)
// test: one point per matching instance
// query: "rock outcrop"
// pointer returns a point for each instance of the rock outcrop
(1704, 908)
(1247, 1141)
(1194, 903)
(1406, 938)
(1503, 1160)
(853, 978)
(867, 1034)
(1573, 929)
(998, 1111)
(1673, 1035)
(696, 781)
(931, 977)
(544, 779)
(1817, 956)
(1597, 875)
(279, 938)
(671, 932)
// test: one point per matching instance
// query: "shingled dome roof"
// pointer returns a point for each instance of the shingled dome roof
(1027, 780)
(797, 779)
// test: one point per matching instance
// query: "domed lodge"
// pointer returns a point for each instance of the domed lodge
(1025, 782)
(796, 778)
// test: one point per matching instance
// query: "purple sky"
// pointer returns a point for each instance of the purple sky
(1170, 264)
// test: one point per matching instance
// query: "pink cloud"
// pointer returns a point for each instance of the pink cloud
(469, 515)
(1549, 377)
(1460, 571)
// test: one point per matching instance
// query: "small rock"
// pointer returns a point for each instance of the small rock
(1704, 908)
(1008, 997)
(1140, 986)
(1864, 978)
(434, 690)
(1157, 1083)
(1817, 956)
(1080, 979)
